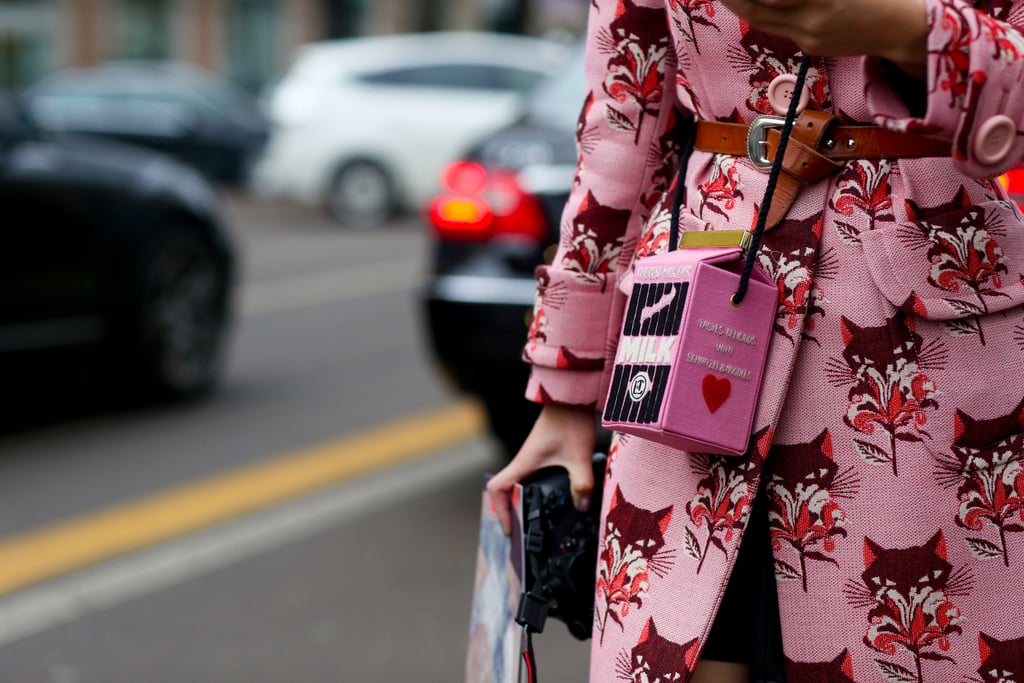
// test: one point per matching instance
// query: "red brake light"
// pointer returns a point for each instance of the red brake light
(482, 205)
(464, 177)
(458, 217)
(1013, 181)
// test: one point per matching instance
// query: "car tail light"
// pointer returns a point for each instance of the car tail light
(460, 217)
(464, 177)
(1013, 181)
(480, 204)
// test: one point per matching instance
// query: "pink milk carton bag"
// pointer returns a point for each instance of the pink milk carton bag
(689, 362)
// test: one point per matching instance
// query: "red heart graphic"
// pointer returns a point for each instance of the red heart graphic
(716, 391)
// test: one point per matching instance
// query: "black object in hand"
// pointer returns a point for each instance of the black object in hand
(561, 551)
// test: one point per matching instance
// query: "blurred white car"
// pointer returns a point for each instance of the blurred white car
(365, 126)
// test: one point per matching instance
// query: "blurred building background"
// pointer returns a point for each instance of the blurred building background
(249, 40)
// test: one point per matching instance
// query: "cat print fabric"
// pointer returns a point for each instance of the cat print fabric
(632, 554)
(890, 392)
(908, 592)
(985, 468)
(806, 515)
(655, 659)
(1002, 661)
(838, 670)
(889, 437)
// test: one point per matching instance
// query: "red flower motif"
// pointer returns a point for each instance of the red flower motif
(694, 6)
(636, 78)
(890, 389)
(721, 505)
(964, 256)
(991, 492)
(804, 512)
(891, 398)
(539, 327)
(913, 625)
(692, 9)
(723, 188)
(596, 238)
(954, 61)
(864, 189)
(804, 520)
(910, 616)
(799, 294)
(655, 238)
(636, 71)
(633, 550)
(622, 579)
(1007, 42)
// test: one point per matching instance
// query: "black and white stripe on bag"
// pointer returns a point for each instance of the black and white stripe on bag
(644, 356)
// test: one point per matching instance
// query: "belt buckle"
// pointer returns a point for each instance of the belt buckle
(757, 142)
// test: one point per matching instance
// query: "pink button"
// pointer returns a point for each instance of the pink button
(994, 140)
(780, 92)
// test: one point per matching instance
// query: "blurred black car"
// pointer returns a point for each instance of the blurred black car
(112, 255)
(194, 116)
(496, 218)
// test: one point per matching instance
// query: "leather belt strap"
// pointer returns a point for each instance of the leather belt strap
(817, 149)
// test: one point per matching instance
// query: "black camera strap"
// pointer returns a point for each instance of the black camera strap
(533, 606)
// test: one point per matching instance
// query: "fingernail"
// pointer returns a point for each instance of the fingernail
(584, 504)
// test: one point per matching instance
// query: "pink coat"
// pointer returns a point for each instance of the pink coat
(890, 434)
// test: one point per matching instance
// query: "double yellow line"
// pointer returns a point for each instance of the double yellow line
(58, 549)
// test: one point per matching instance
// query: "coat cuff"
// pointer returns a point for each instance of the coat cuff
(573, 335)
(966, 85)
(566, 387)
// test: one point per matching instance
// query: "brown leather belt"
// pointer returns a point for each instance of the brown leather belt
(817, 149)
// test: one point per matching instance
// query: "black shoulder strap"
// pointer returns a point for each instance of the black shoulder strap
(685, 152)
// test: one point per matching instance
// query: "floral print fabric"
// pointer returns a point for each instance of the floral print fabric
(890, 434)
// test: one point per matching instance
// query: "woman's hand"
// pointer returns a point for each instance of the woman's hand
(896, 30)
(561, 436)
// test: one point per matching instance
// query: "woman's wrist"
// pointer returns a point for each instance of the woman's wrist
(906, 44)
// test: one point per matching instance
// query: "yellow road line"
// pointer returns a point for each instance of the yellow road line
(74, 544)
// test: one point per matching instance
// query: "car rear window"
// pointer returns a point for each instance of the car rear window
(556, 101)
(457, 76)
(113, 114)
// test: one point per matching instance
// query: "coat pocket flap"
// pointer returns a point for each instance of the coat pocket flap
(960, 263)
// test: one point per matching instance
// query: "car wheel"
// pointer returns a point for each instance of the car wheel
(181, 319)
(362, 195)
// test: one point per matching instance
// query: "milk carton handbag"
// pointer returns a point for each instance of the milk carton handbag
(690, 360)
(691, 355)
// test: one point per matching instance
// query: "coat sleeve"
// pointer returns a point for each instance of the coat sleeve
(975, 75)
(630, 67)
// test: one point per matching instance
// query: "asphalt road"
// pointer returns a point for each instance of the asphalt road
(364, 576)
